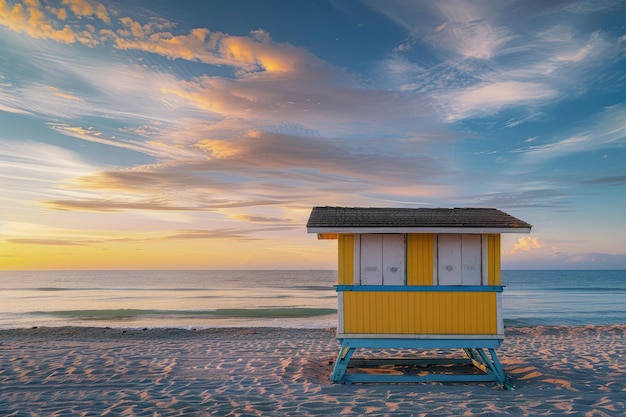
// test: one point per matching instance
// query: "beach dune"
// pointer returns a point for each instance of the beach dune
(76, 371)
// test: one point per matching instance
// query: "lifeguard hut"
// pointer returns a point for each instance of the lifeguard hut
(418, 279)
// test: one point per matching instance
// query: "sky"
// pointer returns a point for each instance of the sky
(199, 134)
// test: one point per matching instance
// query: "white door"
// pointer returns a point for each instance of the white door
(372, 259)
(471, 259)
(383, 259)
(394, 259)
(449, 259)
(459, 259)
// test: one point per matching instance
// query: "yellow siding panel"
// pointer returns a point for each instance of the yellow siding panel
(429, 319)
(467, 321)
(443, 320)
(492, 317)
(361, 319)
(454, 312)
(420, 258)
(452, 318)
(383, 312)
(493, 259)
(380, 320)
(349, 306)
(410, 312)
(346, 260)
(357, 312)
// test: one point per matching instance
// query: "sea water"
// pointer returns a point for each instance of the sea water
(304, 299)
(537, 297)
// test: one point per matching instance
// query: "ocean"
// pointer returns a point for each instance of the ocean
(303, 299)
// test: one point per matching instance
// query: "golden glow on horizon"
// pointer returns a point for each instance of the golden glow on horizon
(180, 254)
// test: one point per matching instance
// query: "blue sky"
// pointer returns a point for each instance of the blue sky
(194, 134)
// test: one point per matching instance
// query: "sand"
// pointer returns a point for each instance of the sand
(285, 372)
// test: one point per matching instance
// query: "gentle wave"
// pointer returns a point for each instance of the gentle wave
(577, 289)
(131, 314)
(274, 312)
(519, 323)
(313, 288)
(119, 289)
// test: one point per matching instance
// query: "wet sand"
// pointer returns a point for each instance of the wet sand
(285, 372)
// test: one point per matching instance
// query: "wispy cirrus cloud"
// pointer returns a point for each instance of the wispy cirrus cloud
(225, 233)
(9, 109)
(47, 242)
(259, 219)
(28, 161)
(487, 99)
(488, 64)
(469, 30)
(457, 30)
(155, 149)
(85, 237)
(249, 171)
(612, 180)
(303, 101)
(526, 195)
(606, 130)
(103, 205)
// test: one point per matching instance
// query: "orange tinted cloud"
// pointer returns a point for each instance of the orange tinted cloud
(248, 54)
(102, 205)
(31, 20)
(525, 244)
(220, 148)
(258, 219)
(261, 53)
(192, 47)
(88, 8)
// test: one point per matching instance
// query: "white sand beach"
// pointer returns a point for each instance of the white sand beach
(76, 371)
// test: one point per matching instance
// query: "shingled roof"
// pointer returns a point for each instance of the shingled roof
(397, 220)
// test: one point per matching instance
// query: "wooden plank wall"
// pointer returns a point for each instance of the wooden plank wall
(345, 269)
(493, 259)
(449, 313)
(420, 252)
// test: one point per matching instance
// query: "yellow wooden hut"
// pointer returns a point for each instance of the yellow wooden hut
(415, 279)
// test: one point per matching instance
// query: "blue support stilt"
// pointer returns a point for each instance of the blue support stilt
(488, 365)
(341, 365)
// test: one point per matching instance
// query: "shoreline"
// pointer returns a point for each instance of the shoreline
(229, 371)
(166, 331)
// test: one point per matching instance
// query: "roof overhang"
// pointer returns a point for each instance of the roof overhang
(327, 220)
(404, 230)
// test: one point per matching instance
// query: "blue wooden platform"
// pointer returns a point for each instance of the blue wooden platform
(479, 356)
